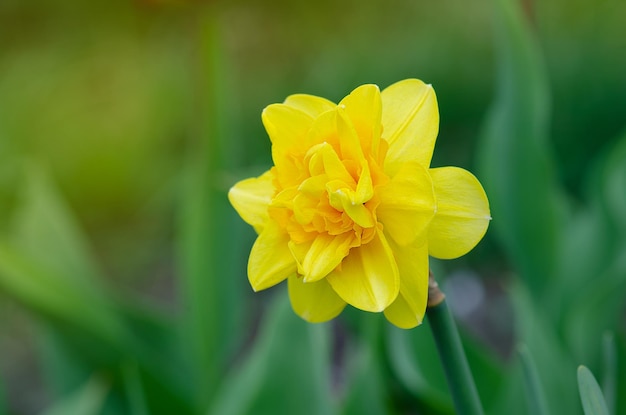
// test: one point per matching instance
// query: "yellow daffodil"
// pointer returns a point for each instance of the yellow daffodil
(351, 209)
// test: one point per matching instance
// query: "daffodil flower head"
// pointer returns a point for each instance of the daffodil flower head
(351, 209)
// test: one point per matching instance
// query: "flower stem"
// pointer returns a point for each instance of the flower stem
(448, 341)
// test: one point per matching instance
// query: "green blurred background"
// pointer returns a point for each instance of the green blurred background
(123, 124)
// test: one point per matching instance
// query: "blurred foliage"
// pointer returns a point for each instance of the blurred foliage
(122, 266)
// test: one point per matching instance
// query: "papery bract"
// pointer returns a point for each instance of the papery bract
(351, 209)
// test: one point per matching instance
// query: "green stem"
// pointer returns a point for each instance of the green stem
(448, 342)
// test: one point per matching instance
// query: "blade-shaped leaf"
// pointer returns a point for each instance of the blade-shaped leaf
(614, 183)
(515, 161)
(609, 380)
(45, 230)
(367, 391)
(591, 287)
(212, 269)
(552, 357)
(534, 391)
(597, 308)
(590, 393)
(286, 372)
(46, 265)
(414, 360)
(57, 297)
(134, 390)
(365, 380)
(88, 400)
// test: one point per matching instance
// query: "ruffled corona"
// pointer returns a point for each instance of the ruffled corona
(350, 210)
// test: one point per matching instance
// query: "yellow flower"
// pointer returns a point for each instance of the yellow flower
(351, 210)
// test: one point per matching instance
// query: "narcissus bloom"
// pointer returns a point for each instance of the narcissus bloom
(351, 209)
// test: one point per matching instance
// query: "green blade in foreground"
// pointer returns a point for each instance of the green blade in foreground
(88, 400)
(590, 393)
(609, 381)
(286, 372)
(534, 391)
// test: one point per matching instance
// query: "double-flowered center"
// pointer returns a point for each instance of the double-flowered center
(334, 198)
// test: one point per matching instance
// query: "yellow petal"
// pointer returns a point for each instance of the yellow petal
(462, 213)
(310, 104)
(281, 205)
(360, 214)
(315, 302)
(400, 314)
(368, 278)
(333, 166)
(365, 187)
(407, 203)
(251, 197)
(270, 260)
(410, 121)
(304, 208)
(299, 250)
(325, 253)
(407, 311)
(287, 128)
(349, 141)
(324, 130)
(344, 200)
(364, 107)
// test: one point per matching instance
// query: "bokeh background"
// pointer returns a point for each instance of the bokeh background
(122, 266)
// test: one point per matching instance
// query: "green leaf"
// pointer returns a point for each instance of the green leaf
(614, 183)
(534, 391)
(602, 222)
(134, 389)
(510, 398)
(590, 393)
(64, 369)
(414, 360)
(590, 290)
(515, 160)
(56, 297)
(368, 390)
(88, 400)
(46, 265)
(598, 308)
(580, 259)
(609, 363)
(552, 358)
(212, 267)
(620, 398)
(286, 372)
(367, 393)
(45, 230)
